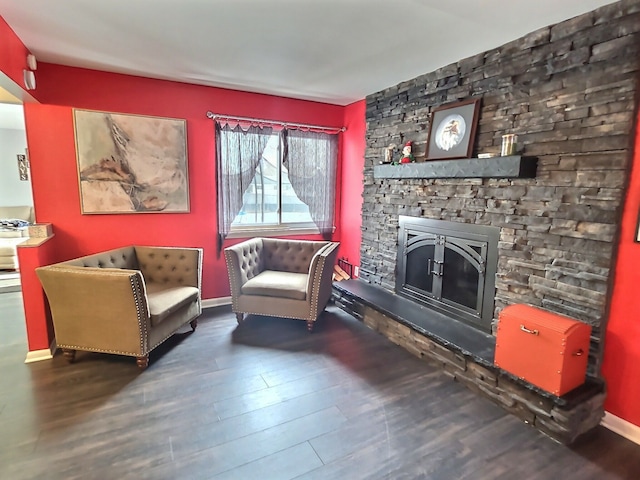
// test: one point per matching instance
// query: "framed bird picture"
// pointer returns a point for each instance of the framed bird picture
(452, 130)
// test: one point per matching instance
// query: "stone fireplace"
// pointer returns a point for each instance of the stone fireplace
(569, 92)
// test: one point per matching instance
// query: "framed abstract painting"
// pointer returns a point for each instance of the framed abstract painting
(131, 163)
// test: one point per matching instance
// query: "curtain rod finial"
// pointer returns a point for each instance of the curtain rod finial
(210, 114)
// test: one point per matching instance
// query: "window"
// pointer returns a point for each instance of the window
(275, 181)
(270, 199)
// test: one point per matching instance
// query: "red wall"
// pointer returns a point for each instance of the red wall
(13, 54)
(354, 145)
(621, 366)
(50, 138)
(39, 325)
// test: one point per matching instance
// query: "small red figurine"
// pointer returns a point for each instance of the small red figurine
(407, 157)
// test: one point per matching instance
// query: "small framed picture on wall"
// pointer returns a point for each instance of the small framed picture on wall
(452, 130)
(23, 167)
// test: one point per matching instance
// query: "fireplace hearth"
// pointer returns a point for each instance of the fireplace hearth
(449, 267)
(466, 354)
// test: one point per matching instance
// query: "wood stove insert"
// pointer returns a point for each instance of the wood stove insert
(449, 267)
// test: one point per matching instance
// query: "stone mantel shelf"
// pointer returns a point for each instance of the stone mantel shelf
(514, 166)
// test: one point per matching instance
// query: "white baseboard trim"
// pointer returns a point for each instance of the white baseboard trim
(44, 354)
(621, 427)
(216, 302)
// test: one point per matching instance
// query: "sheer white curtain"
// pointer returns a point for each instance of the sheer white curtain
(311, 159)
(238, 152)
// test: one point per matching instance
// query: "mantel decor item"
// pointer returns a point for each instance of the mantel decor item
(388, 154)
(509, 144)
(407, 156)
(131, 163)
(452, 130)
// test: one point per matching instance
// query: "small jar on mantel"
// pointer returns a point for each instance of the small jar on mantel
(509, 144)
(388, 154)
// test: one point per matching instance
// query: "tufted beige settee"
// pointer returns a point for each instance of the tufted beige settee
(125, 301)
(281, 278)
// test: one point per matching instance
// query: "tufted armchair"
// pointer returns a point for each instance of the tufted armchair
(281, 278)
(125, 301)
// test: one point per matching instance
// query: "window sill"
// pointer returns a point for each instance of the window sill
(272, 232)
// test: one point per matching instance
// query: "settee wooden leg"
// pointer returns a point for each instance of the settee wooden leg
(239, 317)
(310, 324)
(194, 324)
(69, 354)
(143, 362)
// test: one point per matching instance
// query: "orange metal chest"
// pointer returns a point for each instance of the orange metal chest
(546, 349)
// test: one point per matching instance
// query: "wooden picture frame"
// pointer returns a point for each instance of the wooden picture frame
(452, 130)
(131, 163)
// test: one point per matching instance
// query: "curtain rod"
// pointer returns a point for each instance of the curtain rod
(213, 116)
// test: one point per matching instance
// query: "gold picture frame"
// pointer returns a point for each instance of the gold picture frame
(131, 163)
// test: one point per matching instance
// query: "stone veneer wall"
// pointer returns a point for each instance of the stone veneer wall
(569, 92)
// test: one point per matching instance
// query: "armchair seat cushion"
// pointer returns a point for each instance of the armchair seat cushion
(272, 283)
(163, 301)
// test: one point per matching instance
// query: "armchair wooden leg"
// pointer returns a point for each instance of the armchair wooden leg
(69, 354)
(143, 362)
(310, 324)
(239, 317)
(194, 324)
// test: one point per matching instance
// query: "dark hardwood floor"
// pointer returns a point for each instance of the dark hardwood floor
(268, 400)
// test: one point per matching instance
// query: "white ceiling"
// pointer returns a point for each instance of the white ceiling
(335, 51)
